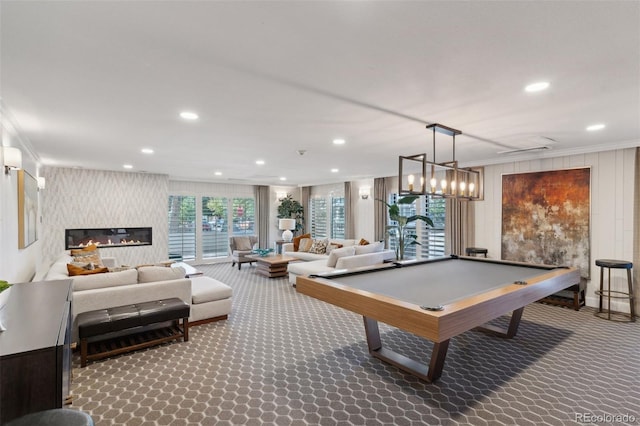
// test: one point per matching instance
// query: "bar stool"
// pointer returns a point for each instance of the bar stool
(614, 264)
(472, 251)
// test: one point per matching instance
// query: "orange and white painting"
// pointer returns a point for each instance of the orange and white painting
(546, 218)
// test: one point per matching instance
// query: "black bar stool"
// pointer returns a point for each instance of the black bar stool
(473, 251)
(614, 264)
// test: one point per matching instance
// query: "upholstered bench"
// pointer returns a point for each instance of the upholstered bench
(210, 300)
(99, 324)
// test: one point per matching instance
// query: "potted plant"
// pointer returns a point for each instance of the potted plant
(404, 236)
(291, 209)
(4, 297)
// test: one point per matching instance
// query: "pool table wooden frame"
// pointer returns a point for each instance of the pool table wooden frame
(437, 326)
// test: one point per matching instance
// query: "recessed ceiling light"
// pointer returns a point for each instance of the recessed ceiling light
(188, 115)
(283, 178)
(259, 162)
(218, 173)
(334, 170)
(146, 151)
(537, 87)
(338, 141)
(127, 166)
(595, 127)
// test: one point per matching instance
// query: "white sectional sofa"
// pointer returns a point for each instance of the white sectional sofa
(209, 298)
(349, 256)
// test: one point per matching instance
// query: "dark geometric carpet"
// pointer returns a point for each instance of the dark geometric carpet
(283, 358)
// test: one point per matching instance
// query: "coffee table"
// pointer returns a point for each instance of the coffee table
(272, 266)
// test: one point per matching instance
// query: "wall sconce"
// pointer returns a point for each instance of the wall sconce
(280, 195)
(364, 192)
(12, 158)
(42, 183)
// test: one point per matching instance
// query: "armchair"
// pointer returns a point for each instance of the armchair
(240, 247)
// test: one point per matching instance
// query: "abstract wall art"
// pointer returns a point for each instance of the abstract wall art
(546, 218)
(27, 209)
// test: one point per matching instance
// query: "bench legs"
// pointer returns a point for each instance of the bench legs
(135, 343)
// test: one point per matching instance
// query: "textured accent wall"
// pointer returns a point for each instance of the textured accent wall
(78, 198)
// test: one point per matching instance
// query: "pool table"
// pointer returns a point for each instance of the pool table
(437, 299)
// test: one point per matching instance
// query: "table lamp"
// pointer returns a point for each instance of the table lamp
(287, 225)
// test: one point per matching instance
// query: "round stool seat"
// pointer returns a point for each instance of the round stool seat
(617, 264)
(54, 417)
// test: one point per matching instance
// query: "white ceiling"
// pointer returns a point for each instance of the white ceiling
(91, 83)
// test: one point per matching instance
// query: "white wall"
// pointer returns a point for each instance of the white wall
(16, 265)
(363, 209)
(612, 186)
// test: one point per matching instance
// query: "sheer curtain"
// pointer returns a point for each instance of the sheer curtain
(349, 219)
(305, 195)
(380, 210)
(636, 233)
(261, 194)
(459, 226)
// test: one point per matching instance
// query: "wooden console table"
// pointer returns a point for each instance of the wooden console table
(35, 353)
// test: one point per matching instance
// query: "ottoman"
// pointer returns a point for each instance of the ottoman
(210, 300)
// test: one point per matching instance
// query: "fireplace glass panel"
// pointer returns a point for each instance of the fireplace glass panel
(107, 237)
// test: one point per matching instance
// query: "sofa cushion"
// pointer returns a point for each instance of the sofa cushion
(350, 262)
(296, 241)
(206, 289)
(87, 254)
(78, 268)
(319, 246)
(369, 248)
(111, 279)
(338, 253)
(342, 242)
(147, 274)
(363, 242)
(243, 244)
(308, 268)
(305, 245)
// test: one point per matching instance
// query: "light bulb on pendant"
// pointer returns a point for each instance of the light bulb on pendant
(443, 185)
(472, 189)
(410, 180)
(463, 186)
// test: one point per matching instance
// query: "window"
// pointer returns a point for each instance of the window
(215, 228)
(431, 239)
(318, 207)
(327, 216)
(182, 235)
(337, 217)
(199, 227)
(244, 216)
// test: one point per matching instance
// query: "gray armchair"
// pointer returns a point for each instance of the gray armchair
(240, 247)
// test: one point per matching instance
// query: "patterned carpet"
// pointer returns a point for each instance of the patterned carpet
(286, 359)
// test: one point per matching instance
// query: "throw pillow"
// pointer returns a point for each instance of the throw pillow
(88, 254)
(84, 251)
(296, 241)
(333, 246)
(370, 248)
(305, 244)
(319, 246)
(243, 244)
(338, 253)
(74, 270)
(363, 242)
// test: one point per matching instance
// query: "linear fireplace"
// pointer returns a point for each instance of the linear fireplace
(107, 237)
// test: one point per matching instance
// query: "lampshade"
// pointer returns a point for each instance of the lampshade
(287, 225)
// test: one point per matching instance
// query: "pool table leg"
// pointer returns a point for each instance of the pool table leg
(509, 332)
(428, 373)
